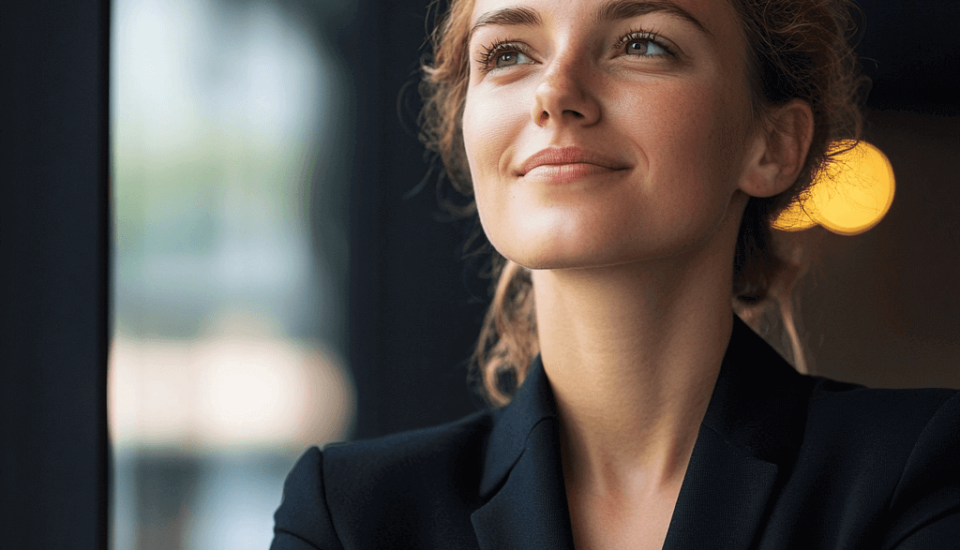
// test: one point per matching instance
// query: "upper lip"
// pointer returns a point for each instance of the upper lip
(571, 155)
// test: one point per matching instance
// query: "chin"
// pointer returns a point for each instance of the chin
(552, 254)
(583, 238)
(594, 249)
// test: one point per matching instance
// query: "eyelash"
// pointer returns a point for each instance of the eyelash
(488, 54)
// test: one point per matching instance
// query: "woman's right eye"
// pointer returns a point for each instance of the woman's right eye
(509, 59)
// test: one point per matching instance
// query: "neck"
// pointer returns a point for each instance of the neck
(632, 354)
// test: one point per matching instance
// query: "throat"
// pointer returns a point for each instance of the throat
(621, 519)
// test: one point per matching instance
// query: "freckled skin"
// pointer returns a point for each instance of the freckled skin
(681, 123)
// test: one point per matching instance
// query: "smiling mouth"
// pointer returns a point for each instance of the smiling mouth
(568, 163)
(562, 173)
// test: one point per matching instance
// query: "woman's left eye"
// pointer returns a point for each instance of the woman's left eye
(508, 59)
(642, 44)
(644, 47)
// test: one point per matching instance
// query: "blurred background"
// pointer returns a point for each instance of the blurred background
(269, 268)
(278, 281)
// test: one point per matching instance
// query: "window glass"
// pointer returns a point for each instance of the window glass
(226, 360)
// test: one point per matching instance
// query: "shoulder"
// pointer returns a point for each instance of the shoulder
(880, 417)
(384, 487)
(442, 462)
(881, 428)
(303, 520)
(879, 459)
(424, 449)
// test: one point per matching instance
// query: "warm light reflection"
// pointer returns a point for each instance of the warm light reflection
(851, 195)
(224, 393)
(794, 218)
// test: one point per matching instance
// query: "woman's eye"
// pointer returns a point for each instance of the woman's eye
(645, 48)
(509, 59)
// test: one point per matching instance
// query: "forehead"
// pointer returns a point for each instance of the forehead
(717, 17)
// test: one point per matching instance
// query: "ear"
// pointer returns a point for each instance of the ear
(777, 149)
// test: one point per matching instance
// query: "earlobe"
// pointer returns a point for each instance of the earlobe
(778, 149)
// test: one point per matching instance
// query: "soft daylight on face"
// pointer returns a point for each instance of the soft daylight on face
(603, 141)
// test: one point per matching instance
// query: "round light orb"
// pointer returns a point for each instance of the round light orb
(857, 192)
(851, 195)
(794, 218)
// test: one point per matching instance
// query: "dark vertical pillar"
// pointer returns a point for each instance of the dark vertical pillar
(54, 229)
(414, 304)
(365, 224)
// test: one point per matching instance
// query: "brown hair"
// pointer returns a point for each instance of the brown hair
(799, 49)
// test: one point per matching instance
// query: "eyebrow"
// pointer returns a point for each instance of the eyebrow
(625, 9)
(611, 11)
(508, 16)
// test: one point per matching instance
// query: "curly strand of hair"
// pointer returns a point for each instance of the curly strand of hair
(446, 77)
(508, 339)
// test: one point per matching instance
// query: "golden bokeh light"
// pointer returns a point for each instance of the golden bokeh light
(794, 218)
(849, 197)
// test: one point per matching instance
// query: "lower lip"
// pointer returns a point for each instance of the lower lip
(566, 173)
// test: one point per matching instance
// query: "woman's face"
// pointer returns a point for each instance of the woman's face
(605, 132)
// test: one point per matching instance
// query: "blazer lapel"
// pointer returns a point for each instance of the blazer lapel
(751, 432)
(722, 499)
(523, 476)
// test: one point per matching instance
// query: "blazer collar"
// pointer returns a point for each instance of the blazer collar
(748, 440)
(752, 430)
(759, 402)
(531, 405)
(523, 474)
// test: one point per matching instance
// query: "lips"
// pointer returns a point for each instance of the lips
(570, 157)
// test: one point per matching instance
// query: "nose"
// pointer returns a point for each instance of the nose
(563, 95)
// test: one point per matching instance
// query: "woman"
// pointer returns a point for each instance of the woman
(626, 159)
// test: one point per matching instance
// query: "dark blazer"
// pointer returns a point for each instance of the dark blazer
(782, 460)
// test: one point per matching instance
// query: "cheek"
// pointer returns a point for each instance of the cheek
(492, 123)
(480, 142)
(689, 139)
(685, 137)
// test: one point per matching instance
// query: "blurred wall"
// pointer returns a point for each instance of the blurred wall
(881, 308)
